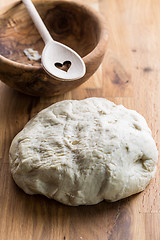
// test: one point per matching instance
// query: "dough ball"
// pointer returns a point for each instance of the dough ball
(83, 152)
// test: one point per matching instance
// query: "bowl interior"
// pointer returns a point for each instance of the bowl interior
(68, 23)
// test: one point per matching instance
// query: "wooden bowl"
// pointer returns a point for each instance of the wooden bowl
(70, 23)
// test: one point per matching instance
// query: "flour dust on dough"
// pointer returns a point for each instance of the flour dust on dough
(83, 152)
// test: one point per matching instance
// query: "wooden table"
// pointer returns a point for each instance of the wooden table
(129, 75)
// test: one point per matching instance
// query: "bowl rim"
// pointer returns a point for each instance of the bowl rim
(98, 49)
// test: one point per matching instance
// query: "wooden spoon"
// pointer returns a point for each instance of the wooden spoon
(58, 60)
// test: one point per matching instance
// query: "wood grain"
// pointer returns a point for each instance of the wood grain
(129, 75)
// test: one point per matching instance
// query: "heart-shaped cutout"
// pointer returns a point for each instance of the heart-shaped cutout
(65, 66)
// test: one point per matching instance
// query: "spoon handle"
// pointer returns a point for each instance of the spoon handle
(37, 21)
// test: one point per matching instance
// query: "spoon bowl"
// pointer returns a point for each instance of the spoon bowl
(62, 62)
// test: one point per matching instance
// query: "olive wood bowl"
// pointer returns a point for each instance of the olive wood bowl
(71, 23)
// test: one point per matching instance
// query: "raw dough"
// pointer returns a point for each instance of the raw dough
(32, 54)
(82, 152)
